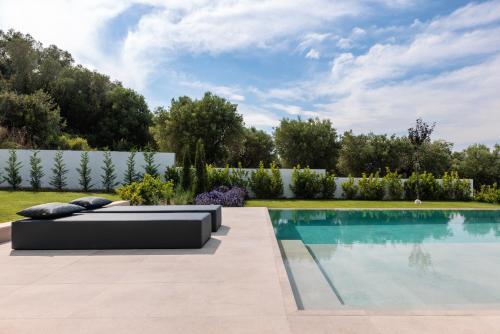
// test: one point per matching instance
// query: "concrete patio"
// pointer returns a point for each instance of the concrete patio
(236, 284)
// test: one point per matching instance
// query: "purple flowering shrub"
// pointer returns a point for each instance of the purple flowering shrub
(223, 196)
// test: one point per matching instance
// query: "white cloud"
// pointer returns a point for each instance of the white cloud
(449, 72)
(231, 93)
(258, 117)
(313, 54)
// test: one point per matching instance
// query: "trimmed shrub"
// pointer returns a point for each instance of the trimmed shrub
(371, 187)
(218, 177)
(488, 194)
(109, 176)
(234, 197)
(201, 182)
(150, 167)
(59, 171)
(172, 174)
(453, 188)
(131, 174)
(239, 177)
(350, 188)
(394, 185)
(328, 186)
(150, 191)
(266, 183)
(306, 183)
(12, 170)
(36, 171)
(429, 188)
(84, 172)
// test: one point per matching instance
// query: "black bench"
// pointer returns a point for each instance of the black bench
(113, 231)
(214, 210)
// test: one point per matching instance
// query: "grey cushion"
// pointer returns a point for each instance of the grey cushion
(91, 202)
(50, 210)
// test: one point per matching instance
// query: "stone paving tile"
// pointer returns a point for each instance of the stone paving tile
(235, 284)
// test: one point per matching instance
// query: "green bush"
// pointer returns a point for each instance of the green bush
(328, 186)
(239, 177)
(217, 177)
(350, 188)
(429, 188)
(109, 176)
(84, 171)
(201, 182)
(488, 194)
(306, 183)
(36, 171)
(371, 187)
(394, 185)
(453, 188)
(266, 184)
(59, 171)
(149, 163)
(187, 173)
(12, 170)
(67, 142)
(150, 191)
(172, 174)
(131, 174)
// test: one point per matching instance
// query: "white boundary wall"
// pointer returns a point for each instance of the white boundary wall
(72, 161)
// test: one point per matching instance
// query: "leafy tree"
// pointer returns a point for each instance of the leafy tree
(312, 143)
(213, 119)
(256, 146)
(35, 114)
(186, 169)
(370, 153)
(84, 171)
(36, 171)
(130, 173)
(150, 167)
(480, 163)
(12, 170)
(125, 122)
(109, 176)
(172, 174)
(59, 171)
(201, 171)
(418, 136)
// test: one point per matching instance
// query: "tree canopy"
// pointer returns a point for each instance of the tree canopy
(66, 97)
(212, 119)
(312, 143)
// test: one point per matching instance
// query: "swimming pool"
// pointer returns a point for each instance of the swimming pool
(394, 258)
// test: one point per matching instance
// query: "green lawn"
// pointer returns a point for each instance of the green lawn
(13, 201)
(346, 204)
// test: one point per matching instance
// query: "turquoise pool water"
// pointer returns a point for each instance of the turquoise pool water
(396, 258)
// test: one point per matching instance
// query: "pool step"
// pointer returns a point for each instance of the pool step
(310, 287)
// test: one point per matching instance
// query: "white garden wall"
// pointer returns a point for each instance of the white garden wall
(72, 161)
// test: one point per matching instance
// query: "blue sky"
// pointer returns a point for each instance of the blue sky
(367, 65)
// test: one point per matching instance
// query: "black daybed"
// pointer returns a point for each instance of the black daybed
(214, 210)
(113, 231)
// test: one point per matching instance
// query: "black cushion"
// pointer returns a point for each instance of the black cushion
(50, 210)
(91, 202)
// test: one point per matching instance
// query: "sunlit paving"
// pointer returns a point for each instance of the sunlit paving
(264, 166)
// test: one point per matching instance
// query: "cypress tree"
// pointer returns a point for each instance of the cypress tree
(186, 169)
(130, 173)
(36, 171)
(59, 172)
(13, 176)
(109, 176)
(200, 166)
(84, 172)
(150, 167)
